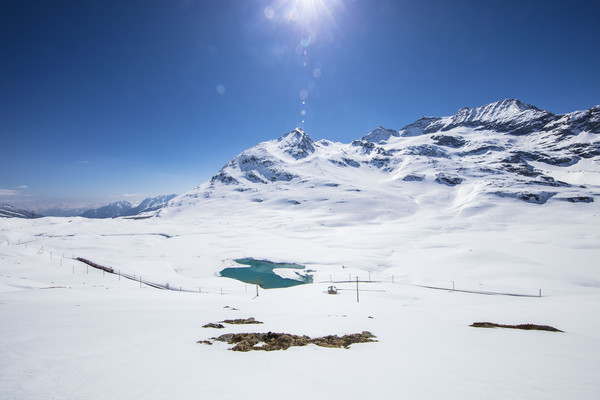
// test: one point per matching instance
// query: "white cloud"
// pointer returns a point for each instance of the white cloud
(23, 187)
(133, 194)
(9, 192)
(84, 162)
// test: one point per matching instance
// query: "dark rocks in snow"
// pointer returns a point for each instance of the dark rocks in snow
(214, 325)
(522, 169)
(527, 327)
(580, 199)
(448, 180)
(481, 150)
(252, 161)
(242, 321)
(225, 178)
(524, 156)
(252, 177)
(380, 162)
(413, 178)
(351, 163)
(549, 181)
(366, 147)
(345, 162)
(282, 176)
(536, 198)
(271, 341)
(449, 141)
(585, 150)
(427, 150)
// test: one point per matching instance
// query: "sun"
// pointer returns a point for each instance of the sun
(303, 12)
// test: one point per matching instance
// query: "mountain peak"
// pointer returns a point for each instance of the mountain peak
(499, 111)
(296, 143)
(509, 116)
(380, 134)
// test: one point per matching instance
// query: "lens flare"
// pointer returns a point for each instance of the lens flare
(269, 12)
(311, 25)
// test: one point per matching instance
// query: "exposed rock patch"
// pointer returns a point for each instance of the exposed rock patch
(448, 180)
(449, 141)
(282, 341)
(241, 321)
(580, 199)
(527, 327)
(536, 198)
(214, 325)
(413, 178)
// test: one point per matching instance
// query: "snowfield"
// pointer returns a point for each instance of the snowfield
(70, 333)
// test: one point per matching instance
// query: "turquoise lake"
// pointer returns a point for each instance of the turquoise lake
(262, 271)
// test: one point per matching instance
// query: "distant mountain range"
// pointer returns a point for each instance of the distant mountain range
(113, 210)
(496, 152)
(8, 211)
(126, 209)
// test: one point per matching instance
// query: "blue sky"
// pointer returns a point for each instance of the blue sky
(108, 100)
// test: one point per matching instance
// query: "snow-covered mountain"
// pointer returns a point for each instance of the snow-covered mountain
(111, 210)
(62, 210)
(503, 150)
(150, 204)
(125, 208)
(8, 211)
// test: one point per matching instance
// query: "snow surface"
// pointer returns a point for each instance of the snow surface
(66, 333)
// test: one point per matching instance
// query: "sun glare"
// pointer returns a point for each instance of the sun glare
(307, 22)
(303, 12)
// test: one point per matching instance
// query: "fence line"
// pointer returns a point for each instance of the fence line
(380, 278)
(450, 287)
(139, 278)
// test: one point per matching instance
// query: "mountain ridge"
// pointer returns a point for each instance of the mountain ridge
(506, 149)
